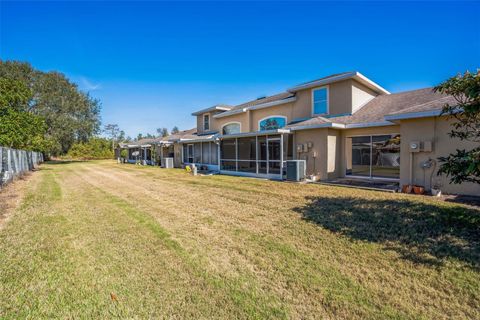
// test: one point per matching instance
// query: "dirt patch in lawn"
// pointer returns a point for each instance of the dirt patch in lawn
(12, 194)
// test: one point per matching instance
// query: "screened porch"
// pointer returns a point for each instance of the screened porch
(256, 154)
(202, 154)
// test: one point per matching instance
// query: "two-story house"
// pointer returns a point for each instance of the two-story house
(343, 125)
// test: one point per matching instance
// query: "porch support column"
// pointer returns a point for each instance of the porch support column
(218, 154)
(281, 156)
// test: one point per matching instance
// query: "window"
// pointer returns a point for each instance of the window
(272, 123)
(231, 128)
(320, 101)
(206, 122)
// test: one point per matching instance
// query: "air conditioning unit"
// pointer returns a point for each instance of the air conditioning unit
(296, 170)
(168, 163)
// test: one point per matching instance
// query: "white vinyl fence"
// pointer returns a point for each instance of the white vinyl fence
(14, 163)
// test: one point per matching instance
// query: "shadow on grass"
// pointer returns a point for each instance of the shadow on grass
(60, 162)
(420, 232)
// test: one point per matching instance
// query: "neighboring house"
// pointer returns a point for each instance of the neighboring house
(139, 151)
(343, 125)
(153, 151)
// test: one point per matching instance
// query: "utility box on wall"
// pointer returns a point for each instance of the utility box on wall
(427, 146)
(414, 146)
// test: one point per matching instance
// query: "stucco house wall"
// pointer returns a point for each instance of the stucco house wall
(242, 118)
(316, 156)
(213, 122)
(345, 97)
(177, 159)
(434, 129)
(285, 110)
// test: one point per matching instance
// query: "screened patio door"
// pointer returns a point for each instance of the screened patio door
(270, 155)
(190, 153)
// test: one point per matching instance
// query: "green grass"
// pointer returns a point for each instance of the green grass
(101, 240)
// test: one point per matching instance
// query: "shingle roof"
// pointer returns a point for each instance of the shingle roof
(309, 122)
(219, 107)
(377, 108)
(329, 77)
(184, 134)
(429, 106)
(275, 97)
(340, 77)
(145, 141)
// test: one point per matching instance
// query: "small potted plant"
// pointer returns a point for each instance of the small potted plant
(418, 190)
(436, 192)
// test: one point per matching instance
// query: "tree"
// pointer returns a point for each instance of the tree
(112, 131)
(139, 136)
(162, 132)
(463, 165)
(121, 136)
(19, 128)
(95, 148)
(70, 115)
(175, 130)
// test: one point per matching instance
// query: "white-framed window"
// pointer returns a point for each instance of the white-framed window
(272, 123)
(320, 101)
(206, 122)
(231, 128)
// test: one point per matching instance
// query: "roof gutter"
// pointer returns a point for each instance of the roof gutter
(413, 115)
(256, 107)
(350, 75)
(214, 108)
(319, 126)
(369, 124)
(229, 113)
(252, 134)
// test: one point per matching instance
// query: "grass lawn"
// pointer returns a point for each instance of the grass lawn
(102, 240)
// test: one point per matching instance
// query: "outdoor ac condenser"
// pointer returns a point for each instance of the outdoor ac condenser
(168, 163)
(296, 170)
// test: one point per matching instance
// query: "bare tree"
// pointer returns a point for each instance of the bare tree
(112, 131)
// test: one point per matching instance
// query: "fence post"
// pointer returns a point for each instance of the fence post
(16, 162)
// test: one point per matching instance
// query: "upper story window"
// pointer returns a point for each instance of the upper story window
(206, 122)
(320, 101)
(272, 123)
(231, 128)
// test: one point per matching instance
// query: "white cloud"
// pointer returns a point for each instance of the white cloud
(87, 85)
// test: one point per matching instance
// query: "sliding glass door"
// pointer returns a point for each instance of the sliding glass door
(373, 156)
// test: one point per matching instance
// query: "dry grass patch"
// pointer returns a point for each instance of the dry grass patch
(167, 244)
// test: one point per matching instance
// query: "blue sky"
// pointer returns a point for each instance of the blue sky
(153, 63)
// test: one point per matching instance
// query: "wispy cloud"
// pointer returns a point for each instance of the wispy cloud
(87, 85)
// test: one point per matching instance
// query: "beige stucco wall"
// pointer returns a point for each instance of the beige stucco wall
(213, 122)
(433, 129)
(316, 156)
(177, 159)
(285, 110)
(339, 96)
(344, 96)
(242, 118)
(334, 160)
